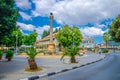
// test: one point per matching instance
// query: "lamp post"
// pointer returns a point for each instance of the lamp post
(16, 43)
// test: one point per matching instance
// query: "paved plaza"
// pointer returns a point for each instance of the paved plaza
(14, 70)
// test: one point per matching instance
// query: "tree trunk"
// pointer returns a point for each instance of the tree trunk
(32, 64)
(73, 60)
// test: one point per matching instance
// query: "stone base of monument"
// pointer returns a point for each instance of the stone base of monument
(51, 48)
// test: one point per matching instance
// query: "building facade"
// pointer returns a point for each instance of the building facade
(87, 43)
(43, 43)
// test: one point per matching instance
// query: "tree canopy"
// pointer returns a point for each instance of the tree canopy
(68, 36)
(106, 37)
(115, 29)
(45, 33)
(10, 39)
(30, 39)
(8, 18)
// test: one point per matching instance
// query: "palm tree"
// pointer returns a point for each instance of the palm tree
(106, 37)
(32, 52)
(71, 52)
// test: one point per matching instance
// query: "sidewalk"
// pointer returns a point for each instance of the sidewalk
(48, 64)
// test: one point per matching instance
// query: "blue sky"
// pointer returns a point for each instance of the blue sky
(93, 17)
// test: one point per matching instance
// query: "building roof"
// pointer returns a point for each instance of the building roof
(46, 38)
(90, 39)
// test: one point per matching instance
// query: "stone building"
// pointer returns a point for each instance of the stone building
(87, 43)
(43, 43)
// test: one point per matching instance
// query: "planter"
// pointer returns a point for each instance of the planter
(9, 59)
(1, 54)
(9, 55)
(0, 57)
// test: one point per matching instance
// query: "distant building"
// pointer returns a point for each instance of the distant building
(43, 43)
(86, 43)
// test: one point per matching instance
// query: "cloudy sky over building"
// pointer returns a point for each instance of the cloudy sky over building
(93, 17)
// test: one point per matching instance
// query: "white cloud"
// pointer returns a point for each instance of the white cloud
(91, 31)
(41, 29)
(25, 16)
(77, 12)
(28, 27)
(23, 4)
(44, 6)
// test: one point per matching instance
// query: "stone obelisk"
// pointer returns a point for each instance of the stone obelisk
(51, 46)
(51, 27)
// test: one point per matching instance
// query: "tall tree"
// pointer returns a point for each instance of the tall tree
(70, 38)
(33, 37)
(106, 37)
(8, 18)
(30, 39)
(56, 30)
(115, 29)
(45, 33)
(10, 39)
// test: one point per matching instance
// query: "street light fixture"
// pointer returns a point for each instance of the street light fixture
(16, 43)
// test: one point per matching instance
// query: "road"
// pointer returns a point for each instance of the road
(107, 69)
(14, 70)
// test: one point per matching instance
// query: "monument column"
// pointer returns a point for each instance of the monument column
(51, 45)
(51, 27)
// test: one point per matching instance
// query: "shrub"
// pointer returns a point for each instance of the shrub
(9, 54)
(105, 51)
(1, 53)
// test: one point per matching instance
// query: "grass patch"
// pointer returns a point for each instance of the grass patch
(34, 70)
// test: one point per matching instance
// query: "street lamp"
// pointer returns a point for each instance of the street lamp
(16, 44)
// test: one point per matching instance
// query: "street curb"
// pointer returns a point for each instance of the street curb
(57, 72)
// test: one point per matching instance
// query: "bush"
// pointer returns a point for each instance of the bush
(9, 54)
(105, 51)
(1, 53)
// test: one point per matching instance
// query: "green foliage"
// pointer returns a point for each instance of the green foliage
(69, 35)
(33, 37)
(56, 30)
(70, 38)
(106, 37)
(10, 40)
(115, 29)
(45, 33)
(105, 50)
(9, 54)
(30, 39)
(1, 53)
(32, 52)
(71, 52)
(8, 18)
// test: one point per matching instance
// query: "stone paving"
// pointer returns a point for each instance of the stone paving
(14, 70)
